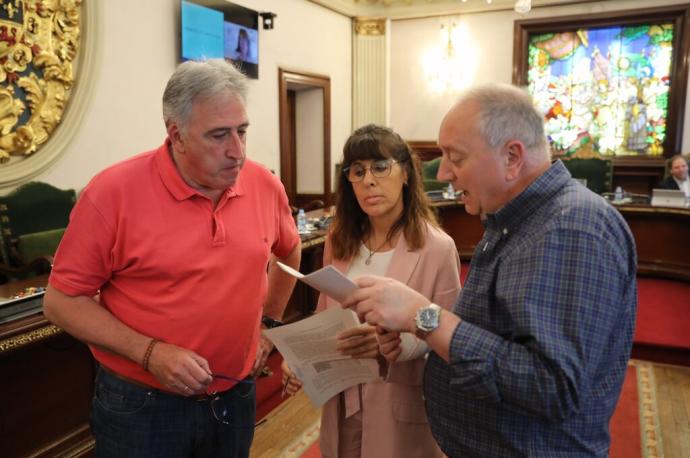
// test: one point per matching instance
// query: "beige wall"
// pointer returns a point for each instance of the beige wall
(138, 51)
(416, 111)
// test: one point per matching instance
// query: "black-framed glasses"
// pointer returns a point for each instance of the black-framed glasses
(218, 407)
(379, 169)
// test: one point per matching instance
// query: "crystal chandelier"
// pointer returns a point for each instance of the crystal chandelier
(450, 66)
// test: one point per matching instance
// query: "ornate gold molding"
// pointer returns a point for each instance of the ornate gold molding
(38, 43)
(55, 86)
(314, 242)
(28, 337)
(370, 26)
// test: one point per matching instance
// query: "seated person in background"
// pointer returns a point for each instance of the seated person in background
(383, 225)
(678, 175)
(177, 241)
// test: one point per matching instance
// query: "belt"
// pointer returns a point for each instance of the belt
(203, 397)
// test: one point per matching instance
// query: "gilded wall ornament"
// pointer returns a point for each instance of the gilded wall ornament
(39, 40)
(370, 26)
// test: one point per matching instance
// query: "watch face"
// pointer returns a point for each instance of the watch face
(428, 319)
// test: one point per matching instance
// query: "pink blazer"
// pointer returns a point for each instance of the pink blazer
(394, 422)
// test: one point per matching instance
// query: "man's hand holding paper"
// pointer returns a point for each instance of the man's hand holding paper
(385, 302)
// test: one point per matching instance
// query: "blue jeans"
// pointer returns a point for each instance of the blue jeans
(130, 421)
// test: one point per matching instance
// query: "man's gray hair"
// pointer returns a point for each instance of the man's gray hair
(507, 113)
(194, 80)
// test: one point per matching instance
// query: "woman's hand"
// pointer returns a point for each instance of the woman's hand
(359, 342)
(389, 344)
(291, 384)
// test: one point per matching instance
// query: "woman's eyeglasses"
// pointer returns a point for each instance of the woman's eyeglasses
(379, 169)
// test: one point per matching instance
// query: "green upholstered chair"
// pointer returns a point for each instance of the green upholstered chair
(429, 172)
(589, 166)
(32, 220)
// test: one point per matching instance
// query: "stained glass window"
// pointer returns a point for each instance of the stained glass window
(607, 88)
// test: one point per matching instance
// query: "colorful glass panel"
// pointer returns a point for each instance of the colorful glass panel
(603, 87)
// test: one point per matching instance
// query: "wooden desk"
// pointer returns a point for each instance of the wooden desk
(466, 229)
(304, 298)
(45, 388)
(661, 234)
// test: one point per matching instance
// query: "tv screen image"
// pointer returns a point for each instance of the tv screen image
(215, 29)
(241, 43)
(202, 28)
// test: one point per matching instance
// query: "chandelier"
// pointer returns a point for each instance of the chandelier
(450, 66)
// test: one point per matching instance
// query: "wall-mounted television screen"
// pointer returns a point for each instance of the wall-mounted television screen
(212, 29)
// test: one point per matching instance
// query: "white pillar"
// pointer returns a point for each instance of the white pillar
(370, 64)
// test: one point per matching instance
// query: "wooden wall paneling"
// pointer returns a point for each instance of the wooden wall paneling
(45, 394)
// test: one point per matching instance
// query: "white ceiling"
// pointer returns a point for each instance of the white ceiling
(405, 9)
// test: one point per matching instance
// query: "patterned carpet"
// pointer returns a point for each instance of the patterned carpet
(639, 389)
(650, 429)
(303, 443)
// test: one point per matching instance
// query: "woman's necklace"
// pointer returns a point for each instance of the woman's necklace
(367, 261)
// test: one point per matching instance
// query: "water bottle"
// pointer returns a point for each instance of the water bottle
(618, 194)
(301, 221)
(450, 191)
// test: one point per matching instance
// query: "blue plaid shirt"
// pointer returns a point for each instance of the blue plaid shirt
(548, 310)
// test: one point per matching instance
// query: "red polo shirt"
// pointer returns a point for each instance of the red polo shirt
(172, 267)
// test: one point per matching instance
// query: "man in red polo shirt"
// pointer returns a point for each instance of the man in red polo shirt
(176, 244)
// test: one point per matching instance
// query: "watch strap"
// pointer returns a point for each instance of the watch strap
(270, 323)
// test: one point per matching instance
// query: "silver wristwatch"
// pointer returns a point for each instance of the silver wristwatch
(426, 320)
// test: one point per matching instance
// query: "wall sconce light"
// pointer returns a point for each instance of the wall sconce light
(268, 20)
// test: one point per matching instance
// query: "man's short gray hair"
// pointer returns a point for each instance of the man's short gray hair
(194, 80)
(507, 113)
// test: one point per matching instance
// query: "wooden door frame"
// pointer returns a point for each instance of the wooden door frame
(288, 170)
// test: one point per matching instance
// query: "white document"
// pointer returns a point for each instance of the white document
(328, 280)
(308, 346)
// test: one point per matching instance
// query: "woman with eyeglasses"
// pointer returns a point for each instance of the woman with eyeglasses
(383, 225)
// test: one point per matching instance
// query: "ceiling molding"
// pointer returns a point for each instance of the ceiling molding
(411, 9)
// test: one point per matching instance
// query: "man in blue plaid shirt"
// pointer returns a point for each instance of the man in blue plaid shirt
(532, 359)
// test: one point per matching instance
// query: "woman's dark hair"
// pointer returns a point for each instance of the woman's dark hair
(351, 225)
(242, 35)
